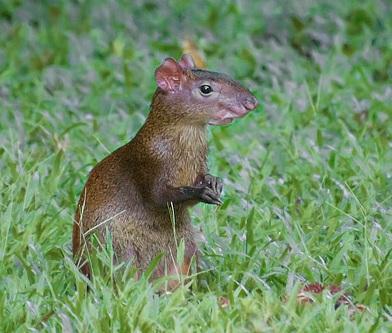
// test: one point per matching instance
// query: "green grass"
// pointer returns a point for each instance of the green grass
(308, 176)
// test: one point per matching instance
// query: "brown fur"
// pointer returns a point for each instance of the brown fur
(128, 192)
(122, 190)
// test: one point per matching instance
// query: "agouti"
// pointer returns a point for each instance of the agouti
(133, 192)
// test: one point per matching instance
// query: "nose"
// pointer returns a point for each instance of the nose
(249, 102)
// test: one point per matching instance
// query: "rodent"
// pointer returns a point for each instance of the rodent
(165, 164)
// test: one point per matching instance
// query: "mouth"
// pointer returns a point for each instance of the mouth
(227, 115)
(239, 109)
(224, 121)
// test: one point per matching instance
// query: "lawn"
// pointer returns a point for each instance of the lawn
(307, 176)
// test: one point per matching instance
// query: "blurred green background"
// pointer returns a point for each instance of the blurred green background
(308, 176)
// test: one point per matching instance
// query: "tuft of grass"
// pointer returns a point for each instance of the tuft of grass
(308, 176)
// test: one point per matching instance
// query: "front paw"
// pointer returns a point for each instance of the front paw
(208, 195)
(215, 183)
(212, 187)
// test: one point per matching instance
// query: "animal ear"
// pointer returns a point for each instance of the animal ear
(169, 75)
(187, 62)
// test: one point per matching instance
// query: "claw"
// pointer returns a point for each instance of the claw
(210, 189)
(219, 202)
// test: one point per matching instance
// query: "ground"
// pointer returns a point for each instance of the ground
(308, 175)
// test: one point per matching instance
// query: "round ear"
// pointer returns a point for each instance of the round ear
(187, 62)
(169, 75)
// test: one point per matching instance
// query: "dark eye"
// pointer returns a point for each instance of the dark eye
(205, 89)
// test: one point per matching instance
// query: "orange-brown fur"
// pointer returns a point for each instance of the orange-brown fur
(122, 183)
(164, 166)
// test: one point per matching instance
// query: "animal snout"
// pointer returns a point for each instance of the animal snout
(249, 102)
